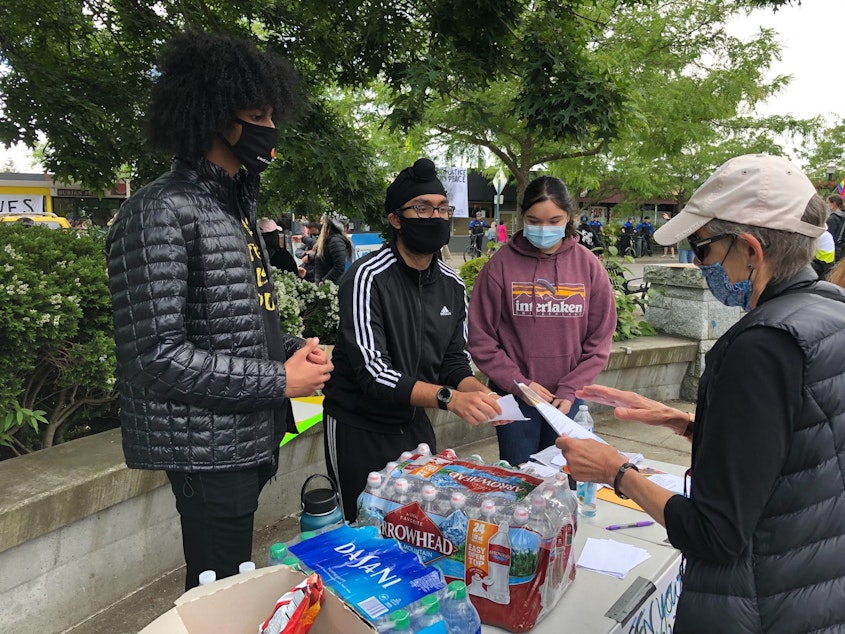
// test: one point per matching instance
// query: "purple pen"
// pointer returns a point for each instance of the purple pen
(616, 527)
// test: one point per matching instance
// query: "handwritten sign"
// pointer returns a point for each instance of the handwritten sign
(21, 203)
(454, 179)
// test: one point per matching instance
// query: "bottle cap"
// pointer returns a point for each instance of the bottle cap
(583, 408)
(488, 507)
(538, 501)
(401, 485)
(430, 604)
(278, 550)
(401, 619)
(207, 576)
(458, 590)
(246, 566)
(458, 499)
(374, 479)
(520, 515)
(429, 492)
(307, 535)
(423, 449)
(291, 560)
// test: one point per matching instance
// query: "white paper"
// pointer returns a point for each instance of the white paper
(610, 557)
(550, 456)
(559, 421)
(510, 409)
(544, 471)
(668, 481)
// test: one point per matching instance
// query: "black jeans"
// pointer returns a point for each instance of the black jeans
(217, 512)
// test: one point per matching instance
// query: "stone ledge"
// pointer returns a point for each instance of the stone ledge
(55, 487)
(648, 351)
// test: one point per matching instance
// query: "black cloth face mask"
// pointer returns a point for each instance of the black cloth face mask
(424, 235)
(256, 147)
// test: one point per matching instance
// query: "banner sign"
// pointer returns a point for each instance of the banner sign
(454, 179)
(21, 203)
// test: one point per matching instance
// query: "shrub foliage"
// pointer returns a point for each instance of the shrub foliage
(56, 325)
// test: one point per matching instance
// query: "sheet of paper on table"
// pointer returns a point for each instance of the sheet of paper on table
(610, 557)
(510, 409)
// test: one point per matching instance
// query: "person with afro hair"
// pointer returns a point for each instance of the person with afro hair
(205, 373)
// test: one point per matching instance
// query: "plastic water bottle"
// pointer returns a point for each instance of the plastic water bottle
(207, 576)
(401, 491)
(457, 501)
(400, 621)
(427, 614)
(246, 566)
(278, 552)
(460, 615)
(423, 449)
(499, 565)
(429, 499)
(488, 511)
(449, 453)
(368, 515)
(586, 490)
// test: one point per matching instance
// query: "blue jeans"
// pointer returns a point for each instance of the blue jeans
(685, 256)
(519, 439)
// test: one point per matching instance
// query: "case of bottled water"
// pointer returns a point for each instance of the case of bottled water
(506, 534)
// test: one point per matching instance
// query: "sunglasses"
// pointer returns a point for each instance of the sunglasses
(702, 247)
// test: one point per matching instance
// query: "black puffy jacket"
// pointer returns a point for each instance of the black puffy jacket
(791, 578)
(198, 390)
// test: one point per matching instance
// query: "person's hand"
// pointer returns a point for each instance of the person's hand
(305, 377)
(633, 406)
(301, 271)
(317, 355)
(563, 405)
(475, 407)
(540, 391)
(590, 460)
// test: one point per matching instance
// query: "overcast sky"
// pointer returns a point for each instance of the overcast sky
(813, 43)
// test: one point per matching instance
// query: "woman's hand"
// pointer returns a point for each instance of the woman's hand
(633, 406)
(590, 460)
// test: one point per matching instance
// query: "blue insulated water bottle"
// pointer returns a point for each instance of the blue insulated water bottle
(320, 507)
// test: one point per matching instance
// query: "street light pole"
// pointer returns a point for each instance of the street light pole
(831, 170)
(499, 183)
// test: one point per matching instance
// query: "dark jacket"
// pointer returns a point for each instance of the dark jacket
(331, 265)
(198, 390)
(790, 577)
(397, 326)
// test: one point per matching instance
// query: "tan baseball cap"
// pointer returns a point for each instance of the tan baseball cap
(752, 189)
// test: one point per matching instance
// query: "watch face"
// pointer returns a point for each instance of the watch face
(444, 395)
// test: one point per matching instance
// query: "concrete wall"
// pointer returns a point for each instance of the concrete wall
(79, 531)
(683, 306)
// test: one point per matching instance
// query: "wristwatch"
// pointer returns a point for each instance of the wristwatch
(444, 397)
(618, 479)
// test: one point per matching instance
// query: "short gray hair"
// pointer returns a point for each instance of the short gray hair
(788, 252)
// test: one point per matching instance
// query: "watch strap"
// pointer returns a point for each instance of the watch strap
(618, 479)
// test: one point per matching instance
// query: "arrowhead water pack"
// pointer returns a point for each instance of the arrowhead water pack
(505, 533)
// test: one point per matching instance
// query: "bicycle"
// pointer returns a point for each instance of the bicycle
(472, 252)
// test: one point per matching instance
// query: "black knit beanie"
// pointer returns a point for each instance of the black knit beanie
(418, 180)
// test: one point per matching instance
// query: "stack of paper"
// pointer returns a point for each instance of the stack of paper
(610, 557)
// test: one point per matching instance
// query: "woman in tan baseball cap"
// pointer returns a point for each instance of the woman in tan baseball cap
(763, 526)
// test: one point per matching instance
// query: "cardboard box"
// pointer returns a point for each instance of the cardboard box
(238, 605)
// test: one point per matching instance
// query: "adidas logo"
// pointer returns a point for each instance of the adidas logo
(444, 312)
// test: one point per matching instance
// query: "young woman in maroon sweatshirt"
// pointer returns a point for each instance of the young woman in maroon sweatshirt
(542, 313)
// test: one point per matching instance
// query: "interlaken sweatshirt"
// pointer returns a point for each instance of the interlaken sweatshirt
(542, 318)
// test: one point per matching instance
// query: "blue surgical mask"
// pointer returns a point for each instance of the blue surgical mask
(544, 237)
(723, 289)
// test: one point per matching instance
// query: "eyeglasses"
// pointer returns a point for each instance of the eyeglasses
(702, 247)
(427, 211)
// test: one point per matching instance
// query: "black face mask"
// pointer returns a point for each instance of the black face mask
(424, 235)
(256, 147)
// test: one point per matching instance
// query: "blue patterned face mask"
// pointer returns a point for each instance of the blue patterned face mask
(544, 237)
(723, 289)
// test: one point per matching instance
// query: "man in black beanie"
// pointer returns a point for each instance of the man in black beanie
(402, 342)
